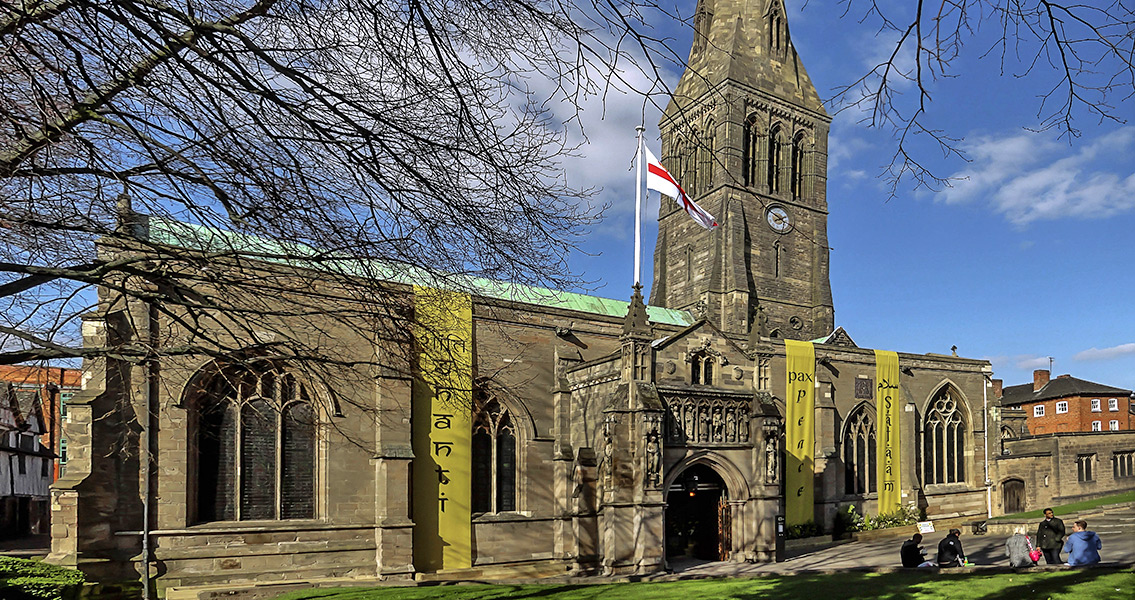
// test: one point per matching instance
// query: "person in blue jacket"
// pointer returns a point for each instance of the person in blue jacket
(1083, 546)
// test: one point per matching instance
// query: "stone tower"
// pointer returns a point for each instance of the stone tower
(746, 135)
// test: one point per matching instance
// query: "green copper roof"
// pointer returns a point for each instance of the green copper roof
(209, 239)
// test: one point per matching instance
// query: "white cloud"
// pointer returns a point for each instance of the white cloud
(1031, 362)
(1028, 178)
(1093, 354)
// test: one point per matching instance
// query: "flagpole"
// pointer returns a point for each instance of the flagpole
(638, 210)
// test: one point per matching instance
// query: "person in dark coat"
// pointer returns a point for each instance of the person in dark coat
(1050, 537)
(950, 553)
(912, 554)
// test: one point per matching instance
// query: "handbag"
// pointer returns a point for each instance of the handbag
(1034, 553)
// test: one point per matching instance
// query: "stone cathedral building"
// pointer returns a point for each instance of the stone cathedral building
(605, 436)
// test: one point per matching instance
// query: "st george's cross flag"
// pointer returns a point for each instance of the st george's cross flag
(660, 180)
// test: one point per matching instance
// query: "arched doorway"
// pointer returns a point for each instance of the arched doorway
(1013, 496)
(698, 520)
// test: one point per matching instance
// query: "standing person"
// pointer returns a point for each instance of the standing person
(1017, 547)
(912, 554)
(1083, 546)
(1050, 536)
(950, 553)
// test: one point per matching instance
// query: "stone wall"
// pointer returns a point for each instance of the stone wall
(1048, 466)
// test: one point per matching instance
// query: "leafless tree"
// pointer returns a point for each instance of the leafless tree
(1080, 56)
(237, 163)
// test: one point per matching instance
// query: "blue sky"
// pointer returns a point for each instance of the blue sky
(1028, 256)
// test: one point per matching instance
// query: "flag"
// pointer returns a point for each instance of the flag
(660, 180)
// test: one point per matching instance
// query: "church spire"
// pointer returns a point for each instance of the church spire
(746, 42)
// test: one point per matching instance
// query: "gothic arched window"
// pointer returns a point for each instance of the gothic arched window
(776, 32)
(255, 445)
(689, 181)
(705, 161)
(701, 368)
(859, 452)
(797, 167)
(494, 459)
(750, 151)
(943, 441)
(702, 20)
(775, 151)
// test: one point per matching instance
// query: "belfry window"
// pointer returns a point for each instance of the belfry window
(255, 450)
(494, 459)
(705, 161)
(750, 151)
(775, 150)
(943, 441)
(859, 452)
(796, 175)
(689, 181)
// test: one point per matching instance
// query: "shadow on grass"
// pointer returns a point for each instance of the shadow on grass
(924, 584)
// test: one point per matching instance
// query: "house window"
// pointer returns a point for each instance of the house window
(1096, 426)
(256, 433)
(944, 439)
(1123, 464)
(64, 398)
(1095, 404)
(494, 459)
(1085, 467)
(62, 457)
(1113, 425)
(22, 464)
(1061, 408)
(1038, 410)
(859, 452)
(701, 368)
(1113, 404)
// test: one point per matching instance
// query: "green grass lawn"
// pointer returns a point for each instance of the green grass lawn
(1095, 584)
(1075, 507)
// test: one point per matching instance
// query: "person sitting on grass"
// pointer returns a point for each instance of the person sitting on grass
(950, 553)
(912, 554)
(1083, 546)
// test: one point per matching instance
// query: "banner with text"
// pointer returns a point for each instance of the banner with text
(800, 431)
(888, 466)
(442, 404)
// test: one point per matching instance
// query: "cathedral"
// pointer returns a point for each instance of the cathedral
(547, 433)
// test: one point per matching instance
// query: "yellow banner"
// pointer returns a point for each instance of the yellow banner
(888, 465)
(800, 431)
(442, 430)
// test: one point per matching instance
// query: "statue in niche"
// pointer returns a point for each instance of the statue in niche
(608, 450)
(731, 426)
(718, 425)
(690, 431)
(771, 466)
(744, 426)
(703, 426)
(653, 459)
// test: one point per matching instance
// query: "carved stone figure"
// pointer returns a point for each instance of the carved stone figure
(771, 466)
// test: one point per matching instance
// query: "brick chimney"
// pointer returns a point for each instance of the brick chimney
(998, 388)
(1040, 379)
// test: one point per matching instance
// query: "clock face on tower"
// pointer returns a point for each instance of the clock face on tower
(778, 219)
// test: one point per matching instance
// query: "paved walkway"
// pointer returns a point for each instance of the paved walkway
(1116, 528)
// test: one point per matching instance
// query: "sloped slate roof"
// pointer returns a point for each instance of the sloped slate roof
(1061, 387)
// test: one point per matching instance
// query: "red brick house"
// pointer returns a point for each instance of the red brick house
(1067, 404)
